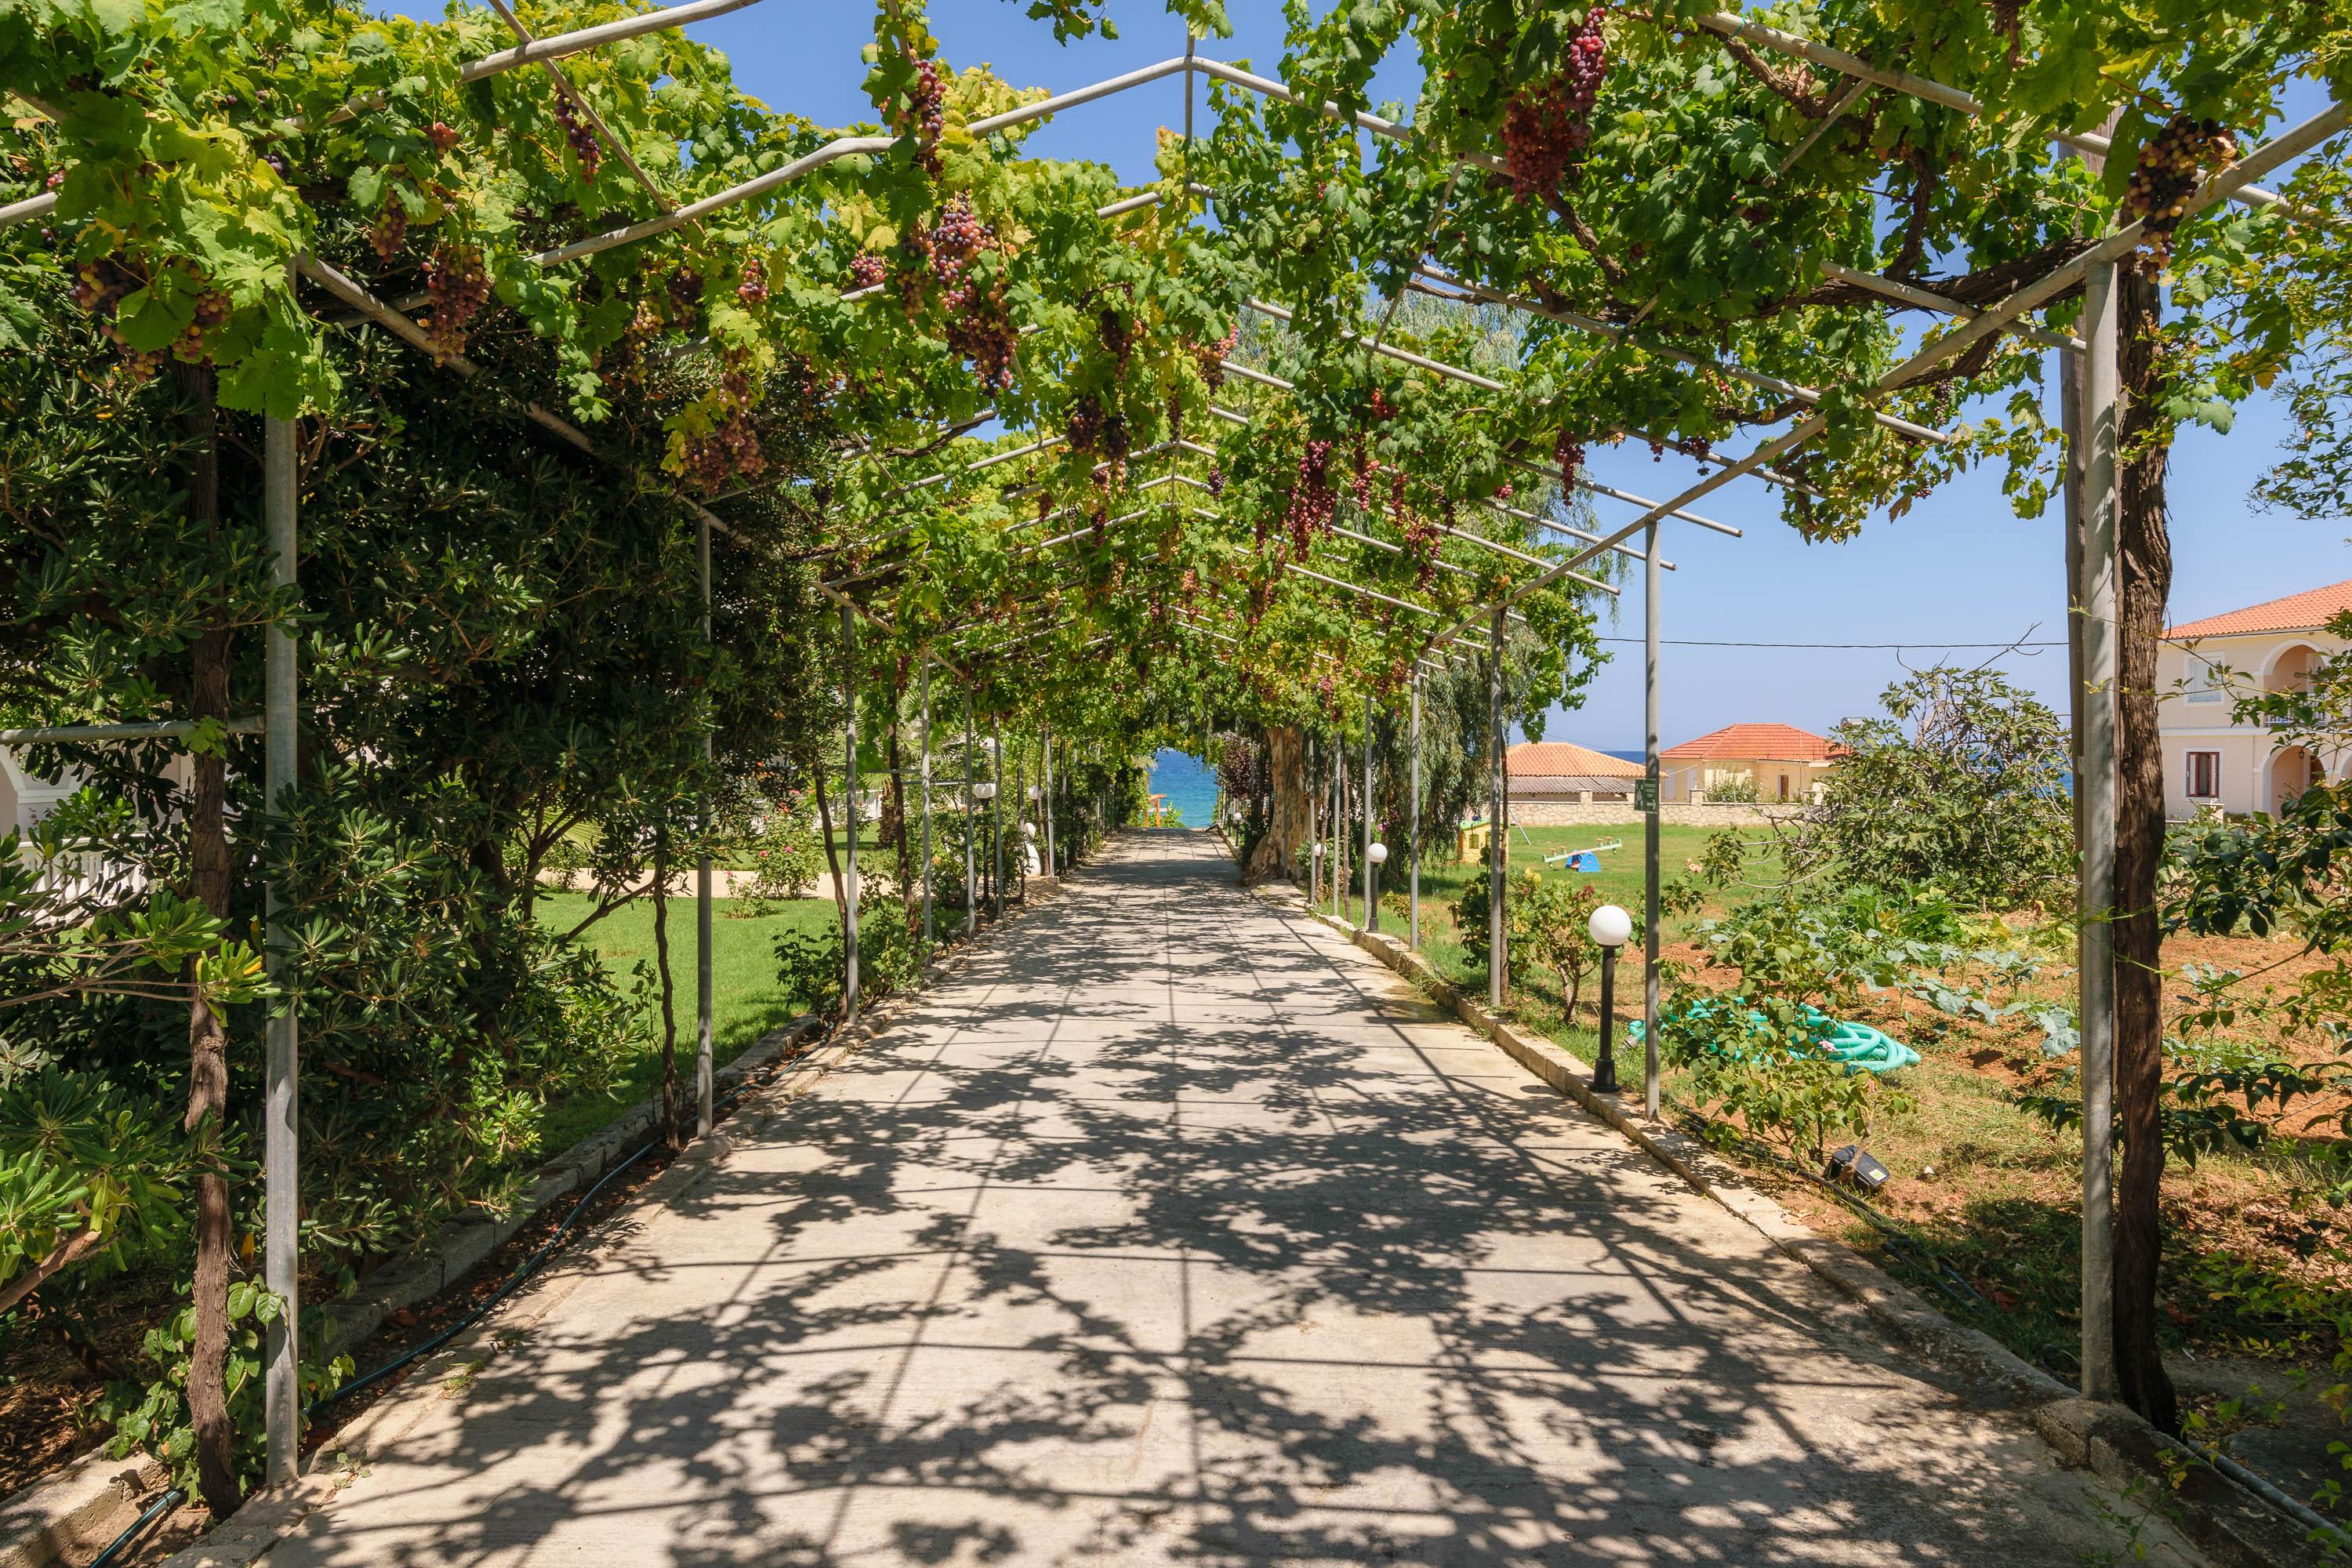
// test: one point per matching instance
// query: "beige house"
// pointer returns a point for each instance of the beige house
(1764, 762)
(2211, 762)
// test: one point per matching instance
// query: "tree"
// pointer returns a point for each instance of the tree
(1962, 783)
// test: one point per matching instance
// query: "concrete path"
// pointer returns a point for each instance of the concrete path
(1176, 1230)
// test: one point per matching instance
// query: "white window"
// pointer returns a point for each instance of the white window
(2204, 775)
(2202, 684)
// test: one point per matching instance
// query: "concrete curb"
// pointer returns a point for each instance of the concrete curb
(2238, 1529)
(75, 1511)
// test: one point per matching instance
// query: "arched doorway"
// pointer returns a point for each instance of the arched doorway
(2292, 770)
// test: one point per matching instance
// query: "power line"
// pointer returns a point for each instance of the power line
(1688, 642)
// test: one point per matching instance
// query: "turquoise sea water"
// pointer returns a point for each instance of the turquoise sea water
(1187, 783)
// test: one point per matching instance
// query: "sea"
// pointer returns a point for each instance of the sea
(1188, 783)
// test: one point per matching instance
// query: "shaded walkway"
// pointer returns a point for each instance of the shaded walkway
(1177, 1230)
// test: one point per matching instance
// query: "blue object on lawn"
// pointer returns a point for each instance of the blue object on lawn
(1858, 1046)
(1584, 860)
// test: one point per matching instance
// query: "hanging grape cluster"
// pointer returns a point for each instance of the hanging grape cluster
(926, 114)
(1569, 453)
(1216, 482)
(1364, 481)
(978, 325)
(684, 286)
(1211, 357)
(1421, 534)
(753, 288)
(1089, 429)
(1313, 501)
(2169, 166)
(865, 271)
(459, 288)
(390, 230)
(732, 448)
(1546, 126)
(582, 140)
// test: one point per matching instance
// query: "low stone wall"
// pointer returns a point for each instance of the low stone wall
(1623, 813)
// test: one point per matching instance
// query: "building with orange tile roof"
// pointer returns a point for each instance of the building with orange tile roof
(2212, 762)
(1768, 763)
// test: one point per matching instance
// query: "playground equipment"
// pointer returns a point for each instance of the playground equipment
(1585, 859)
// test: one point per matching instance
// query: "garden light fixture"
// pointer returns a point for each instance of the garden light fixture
(1610, 928)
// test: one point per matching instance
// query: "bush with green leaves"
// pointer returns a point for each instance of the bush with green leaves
(1961, 783)
(809, 963)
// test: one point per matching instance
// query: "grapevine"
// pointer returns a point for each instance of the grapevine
(1569, 453)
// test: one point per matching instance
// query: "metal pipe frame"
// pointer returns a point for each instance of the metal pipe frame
(2118, 243)
(705, 1065)
(924, 677)
(281, 1120)
(850, 890)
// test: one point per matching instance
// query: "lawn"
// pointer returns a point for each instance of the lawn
(746, 1001)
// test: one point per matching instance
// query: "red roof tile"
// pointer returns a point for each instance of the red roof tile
(1763, 743)
(1564, 759)
(2303, 612)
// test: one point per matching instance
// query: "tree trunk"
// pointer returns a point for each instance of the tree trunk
(831, 856)
(1286, 827)
(670, 1134)
(2145, 449)
(216, 1444)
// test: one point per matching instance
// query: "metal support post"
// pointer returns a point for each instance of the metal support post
(1045, 795)
(2095, 612)
(704, 1067)
(850, 814)
(1021, 841)
(1371, 914)
(281, 1134)
(925, 680)
(1412, 898)
(1314, 832)
(1650, 817)
(1604, 1063)
(970, 897)
(996, 816)
(1498, 957)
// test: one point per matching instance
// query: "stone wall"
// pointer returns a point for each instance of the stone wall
(1623, 813)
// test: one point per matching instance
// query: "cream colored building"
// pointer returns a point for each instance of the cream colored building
(2211, 761)
(1767, 764)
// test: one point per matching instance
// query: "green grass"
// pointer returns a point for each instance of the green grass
(1535, 1001)
(746, 1001)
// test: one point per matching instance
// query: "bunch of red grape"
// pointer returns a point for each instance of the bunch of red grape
(212, 310)
(1099, 523)
(1082, 427)
(1211, 357)
(1117, 336)
(2169, 165)
(753, 288)
(1381, 407)
(584, 145)
(1546, 125)
(1312, 499)
(926, 113)
(865, 271)
(442, 134)
(1363, 485)
(390, 230)
(684, 286)
(730, 449)
(1216, 482)
(1569, 453)
(459, 288)
(983, 333)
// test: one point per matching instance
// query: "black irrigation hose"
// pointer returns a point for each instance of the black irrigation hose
(121, 1542)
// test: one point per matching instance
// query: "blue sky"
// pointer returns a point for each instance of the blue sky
(1961, 567)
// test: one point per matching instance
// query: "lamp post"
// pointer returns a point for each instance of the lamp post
(1610, 926)
(1376, 855)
